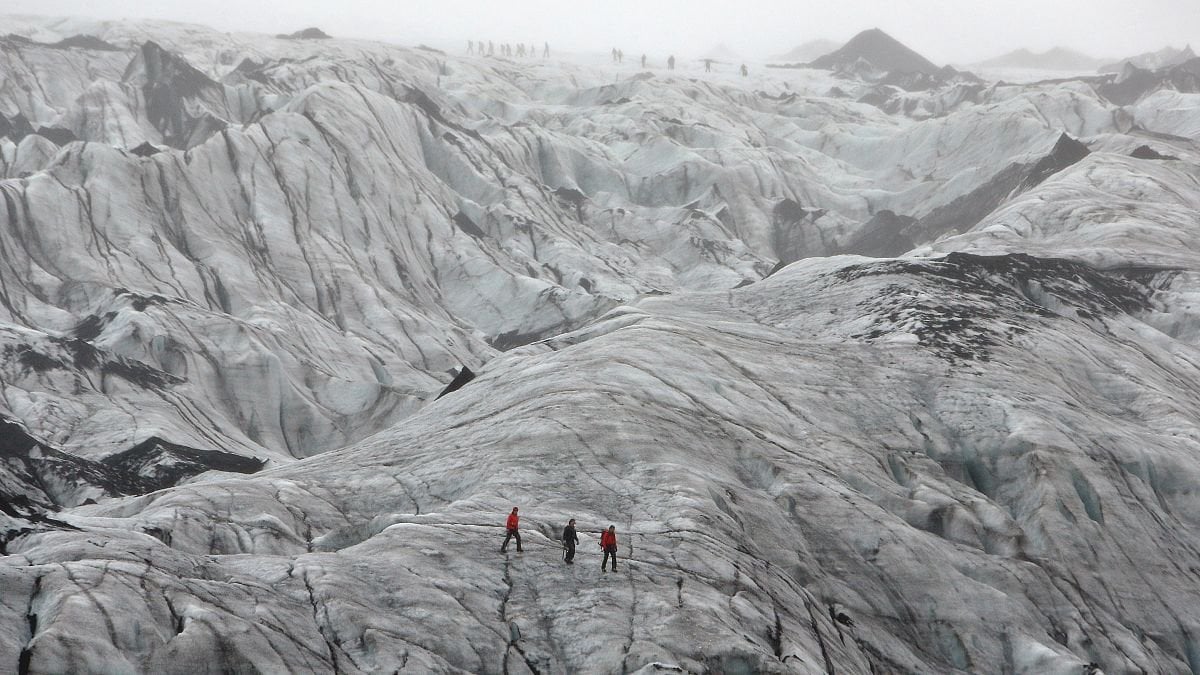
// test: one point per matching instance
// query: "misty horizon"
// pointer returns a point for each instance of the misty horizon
(943, 31)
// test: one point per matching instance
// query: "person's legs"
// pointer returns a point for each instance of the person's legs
(507, 536)
(570, 553)
(518, 536)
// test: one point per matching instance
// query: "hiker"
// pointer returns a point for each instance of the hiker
(470, 46)
(671, 62)
(512, 532)
(521, 49)
(745, 70)
(614, 54)
(643, 60)
(569, 539)
(608, 542)
(546, 52)
(620, 56)
(708, 65)
(491, 48)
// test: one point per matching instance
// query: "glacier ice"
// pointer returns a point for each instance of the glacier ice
(236, 272)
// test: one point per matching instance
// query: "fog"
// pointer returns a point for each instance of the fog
(947, 31)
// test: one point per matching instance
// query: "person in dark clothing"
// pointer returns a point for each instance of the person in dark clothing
(569, 539)
(546, 51)
(708, 65)
(643, 60)
(511, 531)
(671, 62)
(608, 542)
(745, 70)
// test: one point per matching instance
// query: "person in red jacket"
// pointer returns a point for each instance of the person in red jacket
(512, 532)
(608, 542)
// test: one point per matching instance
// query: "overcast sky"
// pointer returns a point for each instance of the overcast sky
(957, 31)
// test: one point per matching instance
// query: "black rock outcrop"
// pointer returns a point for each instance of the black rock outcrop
(1147, 152)
(86, 42)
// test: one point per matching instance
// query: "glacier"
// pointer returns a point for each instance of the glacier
(874, 372)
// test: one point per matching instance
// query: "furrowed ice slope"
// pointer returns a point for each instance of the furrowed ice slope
(985, 462)
(428, 207)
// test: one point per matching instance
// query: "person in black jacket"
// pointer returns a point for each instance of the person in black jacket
(569, 539)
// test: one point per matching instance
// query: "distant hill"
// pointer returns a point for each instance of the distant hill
(1059, 58)
(880, 50)
(808, 51)
(1163, 58)
(306, 34)
(721, 52)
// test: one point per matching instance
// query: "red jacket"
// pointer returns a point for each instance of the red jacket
(512, 521)
(608, 540)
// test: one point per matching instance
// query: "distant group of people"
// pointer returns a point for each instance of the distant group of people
(618, 56)
(520, 50)
(570, 538)
(709, 62)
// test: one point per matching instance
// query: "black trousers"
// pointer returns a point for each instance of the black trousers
(609, 554)
(569, 553)
(511, 534)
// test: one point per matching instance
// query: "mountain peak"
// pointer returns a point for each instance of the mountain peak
(880, 50)
(1055, 58)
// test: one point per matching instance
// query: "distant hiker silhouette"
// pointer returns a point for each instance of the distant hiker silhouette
(569, 539)
(614, 54)
(470, 46)
(521, 49)
(708, 65)
(511, 531)
(620, 56)
(745, 70)
(671, 62)
(546, 52)
(643, 60)
(608, 542)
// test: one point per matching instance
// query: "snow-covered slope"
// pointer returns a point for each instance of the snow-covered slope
(976, 454)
